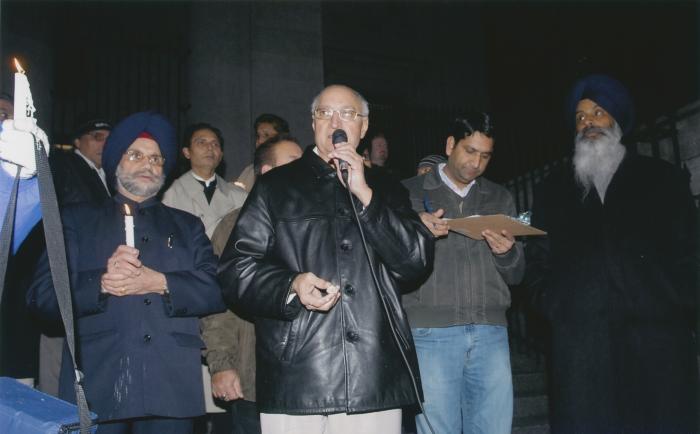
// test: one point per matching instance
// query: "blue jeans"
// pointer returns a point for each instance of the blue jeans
(466, 376)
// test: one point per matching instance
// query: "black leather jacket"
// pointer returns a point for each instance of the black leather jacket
(298, 218)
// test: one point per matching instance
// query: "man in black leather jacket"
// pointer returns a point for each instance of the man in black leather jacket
(327, 361)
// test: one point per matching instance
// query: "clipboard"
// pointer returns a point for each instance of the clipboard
(473, 226)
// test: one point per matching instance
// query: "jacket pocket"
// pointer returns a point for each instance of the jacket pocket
(421, 332)
(188, 340)
(288, 344)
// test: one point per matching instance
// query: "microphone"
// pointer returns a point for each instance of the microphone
(339, 136)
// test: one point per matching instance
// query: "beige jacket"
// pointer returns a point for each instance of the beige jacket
(187, 194)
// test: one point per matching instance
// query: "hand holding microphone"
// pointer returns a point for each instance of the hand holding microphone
(350, 167)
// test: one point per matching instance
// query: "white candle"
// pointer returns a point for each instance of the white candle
(128, 226)
(24, 104)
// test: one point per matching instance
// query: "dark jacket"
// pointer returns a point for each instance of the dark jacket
(75, 181)
(298, 219)
(469, 284)
(141, 353)
(617, 281)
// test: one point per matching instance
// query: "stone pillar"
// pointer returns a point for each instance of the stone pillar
(252, 58)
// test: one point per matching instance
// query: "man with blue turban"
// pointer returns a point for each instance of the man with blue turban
(616, 278)
(141, 275)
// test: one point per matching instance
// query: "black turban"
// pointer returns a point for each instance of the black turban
(607, 93)
(128, 130)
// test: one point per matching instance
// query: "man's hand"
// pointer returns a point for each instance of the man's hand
(126, 275)
(433, 221)
(124, 261)
(499, 243)
(356, 171)
(226, 385)
(17, 148)
(310, 290)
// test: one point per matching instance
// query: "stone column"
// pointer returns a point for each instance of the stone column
(252, 58)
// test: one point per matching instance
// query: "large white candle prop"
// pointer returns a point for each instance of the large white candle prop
(24, 104)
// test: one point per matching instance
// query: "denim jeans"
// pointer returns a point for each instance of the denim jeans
(466, 376)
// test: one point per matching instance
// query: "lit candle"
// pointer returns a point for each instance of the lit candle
(128, 226)
(24, 104)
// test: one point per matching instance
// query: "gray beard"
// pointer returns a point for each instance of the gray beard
(596, 160)
(129, 183)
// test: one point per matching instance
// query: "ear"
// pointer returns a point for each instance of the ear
(76, 144)
(449, 145)
(365, 125)
(186, 152)
(265, 168)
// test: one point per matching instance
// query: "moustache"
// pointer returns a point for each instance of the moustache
(145, 172)
(591, 130)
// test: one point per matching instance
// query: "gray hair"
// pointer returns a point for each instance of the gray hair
(363, 102)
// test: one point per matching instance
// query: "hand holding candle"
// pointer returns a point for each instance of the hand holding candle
(20, 135)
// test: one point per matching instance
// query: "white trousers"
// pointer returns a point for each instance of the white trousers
(379, 422)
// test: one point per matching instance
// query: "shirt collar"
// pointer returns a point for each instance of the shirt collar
(205, 181)
(120, 199)
(462, 192)
(88, 161)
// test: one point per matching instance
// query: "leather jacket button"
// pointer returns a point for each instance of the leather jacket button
(352, 336)
(349, 289)
(147, 301)
(146, 338)
(345, 245)
(343, 212)
(144, 239)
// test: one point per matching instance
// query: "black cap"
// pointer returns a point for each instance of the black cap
(92, 125)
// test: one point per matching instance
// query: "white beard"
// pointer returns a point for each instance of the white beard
(129, 183)
(596, 159)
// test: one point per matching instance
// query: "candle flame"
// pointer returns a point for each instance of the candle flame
(18, 66)
(127, 210)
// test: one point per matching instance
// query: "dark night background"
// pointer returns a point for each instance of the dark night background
(418, 63)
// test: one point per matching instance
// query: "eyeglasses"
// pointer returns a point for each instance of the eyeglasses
(345, 114)
(98, 135)
(154, 160)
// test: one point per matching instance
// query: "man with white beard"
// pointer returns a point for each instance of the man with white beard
(598, 153)
(615, 277)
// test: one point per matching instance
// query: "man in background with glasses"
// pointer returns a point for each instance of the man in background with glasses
(78, 175)
(327, 361)
(141, 275)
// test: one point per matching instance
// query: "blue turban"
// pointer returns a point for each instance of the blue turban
(128, 130)
(607, 93)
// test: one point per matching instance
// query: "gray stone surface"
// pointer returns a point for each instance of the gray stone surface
(252, 58)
